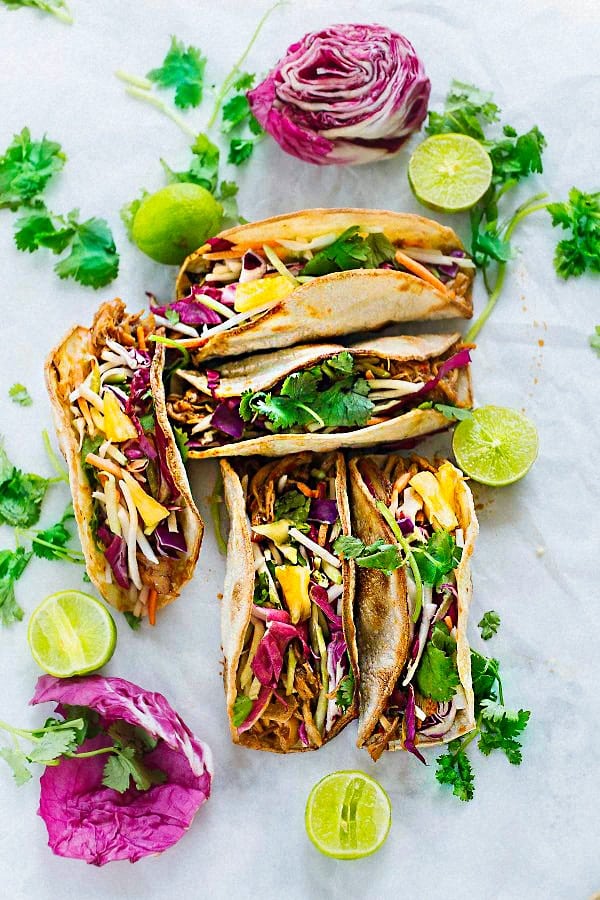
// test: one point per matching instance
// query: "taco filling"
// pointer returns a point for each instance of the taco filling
(420, 505)
(342, 392)
(137, 507)
(294, 680)
(233, 284)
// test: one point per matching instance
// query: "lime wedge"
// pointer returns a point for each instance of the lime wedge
(497, 446)
(449, 172)
(71, 633)
(348, 815)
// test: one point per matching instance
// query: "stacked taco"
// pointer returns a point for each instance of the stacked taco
(316, 274)
(287, 629)
(139, 528)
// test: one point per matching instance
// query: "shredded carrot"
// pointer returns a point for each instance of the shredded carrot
(376, 420)
(369, 375)
(127, 339)
(152, 596)
(104, 464)
(304, 489)
(421, 271)
(322, 537)
(448, 621)
(141, 337)
(235, 253)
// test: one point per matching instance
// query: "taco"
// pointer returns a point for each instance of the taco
(321, 397)
(288, 637)
(411, 609)
(138, 525)
(314, 274)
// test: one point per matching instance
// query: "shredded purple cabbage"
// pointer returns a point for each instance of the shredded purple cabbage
(226, 418)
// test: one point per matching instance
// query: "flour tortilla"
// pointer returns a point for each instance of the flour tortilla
(342, 302)
(262, 371)
(382, 615)
(64, 361)
(238, 592)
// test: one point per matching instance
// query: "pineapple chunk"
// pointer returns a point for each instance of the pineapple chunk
(437, 508)
(151, 511)
(294, 581)
(117, 426)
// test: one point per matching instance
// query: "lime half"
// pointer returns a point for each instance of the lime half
(176, 220)
(497, 446)
(450, 172)
(348, 815)
(71, 633)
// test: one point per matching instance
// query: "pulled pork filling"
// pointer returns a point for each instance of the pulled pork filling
(428, 694)
(234, 284)
(137, 506)
(294, 679)
(341, 393)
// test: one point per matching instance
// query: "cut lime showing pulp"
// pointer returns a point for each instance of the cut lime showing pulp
(71, 633)
(348, 815)
(497, 446)
(450, 172)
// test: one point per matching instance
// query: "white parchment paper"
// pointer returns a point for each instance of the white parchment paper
(531, 832)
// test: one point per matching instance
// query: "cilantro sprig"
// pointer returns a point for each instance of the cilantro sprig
(19, 394)
(12, 566)
(497, 728)
(183, 69)
(437, 675)
(26, 167)
(326, 395)
(378, 555)
(237, 117)
(345, 691)
(294, 507)
(62, 738)
(489, 624)
(580, 215)
(56, 8)
(351, 251)
(471, 111)
(92, 259)
(595, 340)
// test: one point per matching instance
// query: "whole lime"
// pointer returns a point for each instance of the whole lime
(174, 221)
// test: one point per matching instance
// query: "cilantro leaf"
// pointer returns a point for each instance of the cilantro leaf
(182, 69)
(181, 439)
(293, 506)
(502, 728)
(39, 228)
(56, 536)
(241, 709)
(437, 674)
(26, 167)
(129, 211)
(595, 340)
(454, 768)
(484, 674)
(348, 251)
(93, 259)
(437, 557)
(53, 744)
(12, 566)
(517, 156)
(134, 622)
(235, 111)
(581, 216)
(345, 403)
(489, 624)
(18, 393)
(244, 81)
(261, 589)
(451, 412)
(345, 692)
(58, 8)
(378, 555)
(17, 761)
(466, 110)
(240, 149)
(227, 197)
(204, 167)
(20, 495)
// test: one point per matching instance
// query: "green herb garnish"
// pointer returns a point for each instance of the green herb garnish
(12, 566)
(56, 8)
(581, 216)
(489, 624)
(378, 555)
(345, 691)
(294, 507)
(18, 393)
(437, 674)
(182, 69)
(26, 167)
(350, 251)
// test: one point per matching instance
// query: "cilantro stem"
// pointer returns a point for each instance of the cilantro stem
(31, 734)
(134, 80)
(464, 743)
(88, 753)
(216, 500)
(60, 470)
(147, 97)
(231, 76)
(521, 213)
(312, 413)
(409, 557)
(62, 12)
